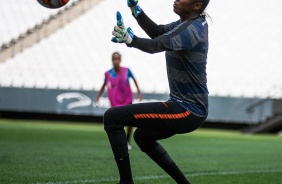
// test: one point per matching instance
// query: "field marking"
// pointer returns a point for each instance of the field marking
(167, 176)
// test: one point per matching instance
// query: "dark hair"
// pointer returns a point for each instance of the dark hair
(205, 4)
(202, 10)
(117, 54)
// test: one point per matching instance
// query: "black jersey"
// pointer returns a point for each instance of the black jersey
(186, 46)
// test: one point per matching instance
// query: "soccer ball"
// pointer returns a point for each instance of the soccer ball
(53, 4)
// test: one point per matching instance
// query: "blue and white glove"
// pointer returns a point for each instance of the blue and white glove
(135, 8)
(121, 33)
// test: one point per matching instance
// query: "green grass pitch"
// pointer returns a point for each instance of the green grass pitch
(41, 152)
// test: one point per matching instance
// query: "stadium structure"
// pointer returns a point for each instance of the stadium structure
(52, 62)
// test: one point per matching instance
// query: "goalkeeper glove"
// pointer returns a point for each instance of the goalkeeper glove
(121, 33)
(135, 8)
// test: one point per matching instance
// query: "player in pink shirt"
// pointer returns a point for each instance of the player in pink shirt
(118, 87)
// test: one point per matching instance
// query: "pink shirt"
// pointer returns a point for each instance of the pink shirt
(118, 87)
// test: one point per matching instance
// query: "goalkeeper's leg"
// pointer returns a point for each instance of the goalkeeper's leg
(146, 140)
(118, 141)
(161, 119)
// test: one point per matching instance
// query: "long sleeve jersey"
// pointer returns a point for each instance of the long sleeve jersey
(186, 47)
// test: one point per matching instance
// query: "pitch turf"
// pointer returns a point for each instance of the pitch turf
(66, 153)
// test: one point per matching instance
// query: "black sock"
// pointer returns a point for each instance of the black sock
(124, 170)
(118, 143)
(162, 158)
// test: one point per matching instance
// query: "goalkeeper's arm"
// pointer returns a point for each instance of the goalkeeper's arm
(125, 35)
(151, 28)
(159, 44)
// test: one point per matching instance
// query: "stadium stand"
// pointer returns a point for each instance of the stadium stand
(46, 27)
(244, 57)
(274, 124)
(19, 16)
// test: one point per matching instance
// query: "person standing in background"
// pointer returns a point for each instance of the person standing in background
(118, 88)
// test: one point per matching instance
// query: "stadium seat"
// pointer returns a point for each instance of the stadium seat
(244, 59)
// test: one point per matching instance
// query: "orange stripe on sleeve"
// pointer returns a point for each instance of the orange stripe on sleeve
(162, 116)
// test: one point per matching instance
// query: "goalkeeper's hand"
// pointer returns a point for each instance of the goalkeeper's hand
(135, 8)
(121, 33)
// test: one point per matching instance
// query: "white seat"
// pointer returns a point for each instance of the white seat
(77, 55)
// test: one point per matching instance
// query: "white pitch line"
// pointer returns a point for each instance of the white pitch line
(166, 176)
